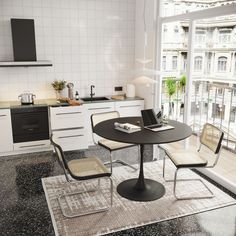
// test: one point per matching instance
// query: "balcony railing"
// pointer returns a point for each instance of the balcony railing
(215, 104)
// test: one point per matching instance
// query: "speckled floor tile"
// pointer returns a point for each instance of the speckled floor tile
(24, 211)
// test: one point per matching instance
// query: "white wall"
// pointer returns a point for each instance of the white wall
(88, 41)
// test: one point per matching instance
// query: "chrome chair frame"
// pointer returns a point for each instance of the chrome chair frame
(111, 158)
(175, 180)
(70, 180)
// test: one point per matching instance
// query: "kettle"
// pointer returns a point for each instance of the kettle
(27, 98)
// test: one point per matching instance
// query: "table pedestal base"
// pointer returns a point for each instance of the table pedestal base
(152, 191)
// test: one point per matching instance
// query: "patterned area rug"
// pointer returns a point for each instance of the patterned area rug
(125, 213)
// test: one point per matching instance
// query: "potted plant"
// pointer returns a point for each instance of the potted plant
(171, 89)
(58, 86)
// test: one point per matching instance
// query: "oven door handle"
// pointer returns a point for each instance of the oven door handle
(30, 127)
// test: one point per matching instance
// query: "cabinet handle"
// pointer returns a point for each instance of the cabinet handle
(68, 113)
(71, 136)
(100, 108)
(35, 145)
(131, 106)
(62, 129)
(2, 115)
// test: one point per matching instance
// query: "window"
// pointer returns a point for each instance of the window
(165, 36)
(232, 114)
(177, 9)
(198, 63)
(222, 64)
(225, 35)
(176, 29)
(176, 33)
(235, 65)
(200, 36)
(174, 62)
(209, 56)
(166, 9)
(164, 62)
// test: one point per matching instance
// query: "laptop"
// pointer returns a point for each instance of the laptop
(152, 121)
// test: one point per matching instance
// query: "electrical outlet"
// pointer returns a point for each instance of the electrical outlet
(119, 88)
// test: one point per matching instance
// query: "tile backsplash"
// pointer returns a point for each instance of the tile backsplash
(90, 42)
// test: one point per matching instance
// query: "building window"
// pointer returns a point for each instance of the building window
(166, 9)
(225, 36)
(174, 63)
(200, 36)
(209, 62)
(176, 29)
(165, 36)
(232, 114)
(234, 65)
(164, 63)
(222, 64)
(198, 63)
(177, 9)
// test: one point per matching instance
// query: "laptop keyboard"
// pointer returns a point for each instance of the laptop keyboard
(155, 126)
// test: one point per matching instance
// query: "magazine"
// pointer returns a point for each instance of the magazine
(127, 127)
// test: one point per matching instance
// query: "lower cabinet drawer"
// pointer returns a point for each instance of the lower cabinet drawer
(32, 145)
(73, 139)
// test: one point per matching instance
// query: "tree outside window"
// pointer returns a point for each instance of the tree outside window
(222, 64)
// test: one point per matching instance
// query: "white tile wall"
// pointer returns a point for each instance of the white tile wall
(88, 41)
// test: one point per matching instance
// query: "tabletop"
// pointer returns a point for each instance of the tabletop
(107, 130)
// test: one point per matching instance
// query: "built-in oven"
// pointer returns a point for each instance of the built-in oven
(30, 123)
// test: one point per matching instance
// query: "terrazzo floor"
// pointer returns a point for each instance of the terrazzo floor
(24, 211)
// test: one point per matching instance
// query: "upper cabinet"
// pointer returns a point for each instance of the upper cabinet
(24, 46)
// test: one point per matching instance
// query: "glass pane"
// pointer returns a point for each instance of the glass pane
(174, 65)
(177, 7)
(214, 81)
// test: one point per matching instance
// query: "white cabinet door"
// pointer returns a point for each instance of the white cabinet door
(95, 108)
(6, 140)
(129, 108)
(32, 145)
(68, 127)
(72, 139)
(67, 117)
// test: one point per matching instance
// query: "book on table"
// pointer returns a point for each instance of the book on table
(127, 127)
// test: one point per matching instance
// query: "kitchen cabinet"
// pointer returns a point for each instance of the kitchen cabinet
(67, 117)
(129, 108)
(125, 108)
(29, 146)
(6, 140)
(94, 108)
(68, 127)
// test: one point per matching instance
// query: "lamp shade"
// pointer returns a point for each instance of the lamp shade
(143, 80)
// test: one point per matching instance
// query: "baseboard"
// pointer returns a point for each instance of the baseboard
(231, 186)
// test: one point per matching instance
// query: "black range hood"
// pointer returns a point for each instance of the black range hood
(24, 47)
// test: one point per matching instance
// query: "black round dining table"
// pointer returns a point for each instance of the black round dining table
(141, 189)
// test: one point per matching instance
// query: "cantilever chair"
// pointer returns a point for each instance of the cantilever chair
(211, 137)
(88, 168)
(111, 146)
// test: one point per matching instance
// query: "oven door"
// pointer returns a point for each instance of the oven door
(29, 125)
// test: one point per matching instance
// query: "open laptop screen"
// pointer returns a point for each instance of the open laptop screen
(149, 117)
